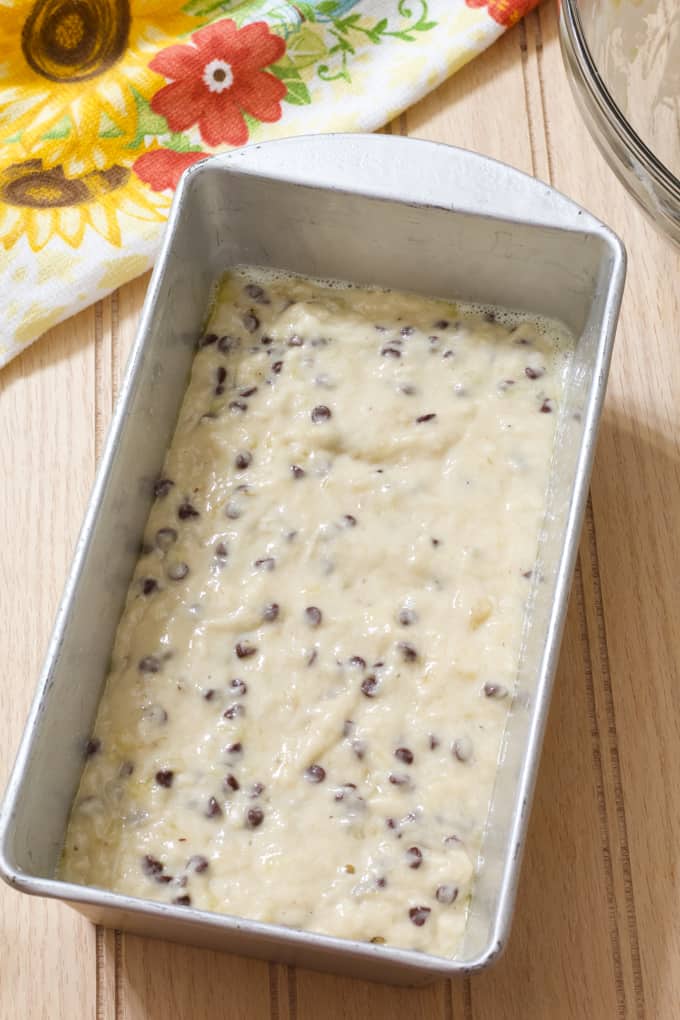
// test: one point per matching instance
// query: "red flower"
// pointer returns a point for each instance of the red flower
(162, 168)
(505, 12)
(217, 77)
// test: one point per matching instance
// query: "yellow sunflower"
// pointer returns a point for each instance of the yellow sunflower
(70, 71)
(42, 202)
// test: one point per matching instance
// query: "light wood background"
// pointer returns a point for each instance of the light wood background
(597, 930)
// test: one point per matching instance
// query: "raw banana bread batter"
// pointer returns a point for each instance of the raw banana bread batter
(312, 674)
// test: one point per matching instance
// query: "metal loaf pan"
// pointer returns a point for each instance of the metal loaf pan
(373, 210)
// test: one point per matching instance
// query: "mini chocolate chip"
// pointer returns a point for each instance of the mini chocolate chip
(408, 389)
(436, 542)
(265, 563)
(399, 779)
(276, 367)
(414, 857)
(244, 650)
(182, 901)
(295, 341)
(447, 354)
(407, 616)
(419, 915)
(185, 511)
(178, 571)
(313, 616)
(207, 340)
(270, 612)
(369, 686)
(238, 405)
(433, 742)
(221, 374)
(350, 520)
(527, 574)
(221, 551)
(533, 373)
(239, 686)
(408, 652)
(249, 392)
(165, 777)
(344, 791)
(320, 413)
(390, 352)
(236, 748)
(297, 471)
(462, 749)
(209, 694)
(219, 390)
(254, 291)
(312, 658)
(357, 660)
(164, 879)
(243, 460)
(315, 774)
(359, 746)
(256, 790)
(198, 863)
(425, 417)
(254, 817)
(267, 341)
(441, 324)
(446, 894)
(231, 782)
(451, 840)
(92, 746)
(165, 538)
(149, 664)
(152, 866)
(234, 710)
(149, 585)
(497, 691)
(162, 487)
(126, 769)
(546, 406)
(381, 884)
(228, 343)
(251, 322)
(213, 810)
(405, 755)
(407, 331)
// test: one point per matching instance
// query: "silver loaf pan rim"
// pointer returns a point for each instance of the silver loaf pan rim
(370, 208)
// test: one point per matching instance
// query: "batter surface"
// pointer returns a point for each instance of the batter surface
(311, 677)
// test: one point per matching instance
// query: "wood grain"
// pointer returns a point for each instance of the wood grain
(597, 929)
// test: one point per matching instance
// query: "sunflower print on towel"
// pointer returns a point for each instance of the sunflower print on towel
(104, 104)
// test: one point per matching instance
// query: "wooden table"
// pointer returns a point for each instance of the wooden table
(597, 930)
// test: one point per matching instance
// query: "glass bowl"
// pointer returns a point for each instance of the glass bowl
(623, 60)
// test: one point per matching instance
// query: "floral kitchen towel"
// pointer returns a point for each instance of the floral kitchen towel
(103, 104)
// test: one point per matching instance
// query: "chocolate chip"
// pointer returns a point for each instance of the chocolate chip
(254, 817)
(390, 352)
(320, 413)
(350, 520)
(231, 782)
(407, 331)
(228, 343)
(267, 341)
(256, 790)
(462, 749)
(313, 616)
(152, 866)
(527, 574)
(405, 755)
(312, 658)
(236, 748)
(209, 694)
(185, 511)
(243, 460)
(369, 686)
(221, 374)
(213, 810)
(407, 616)
(399, 779)
(356, 660)
(255, 292)
(344, 791)
(497, 691)
(234, 711)
(221, 551)
(533, 373)
(315, 774)
(182, 901)
(359, 746)
(164, 879)
(239, 687)
(408, 652)
(165, 777)
(419, 915)
(251, 322)
(414, 857)
(297, 471)
(162, 487)
(149, 585)
(207, 340)
(270, 612)
(295, 341)
(149, 664)
(165, 538)
(198, 863)
(441, 324)
(433, 742)
(178, 571)
(425, 417)
(244, 650)
(436, 542)
(546, 406)
(265, 563)
(447, 354)
(446, 894)
(238, 405)
(408, 389)
(320, 341)
(92, 746)
(276, 367)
